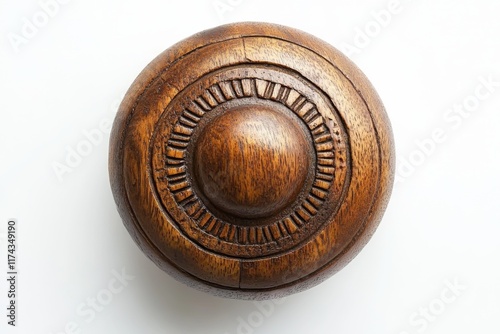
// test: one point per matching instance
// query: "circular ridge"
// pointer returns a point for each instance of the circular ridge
(211, 228)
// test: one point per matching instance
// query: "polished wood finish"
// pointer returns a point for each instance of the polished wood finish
(251, 160)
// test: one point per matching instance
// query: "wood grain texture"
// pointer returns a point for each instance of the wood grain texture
(251, 161)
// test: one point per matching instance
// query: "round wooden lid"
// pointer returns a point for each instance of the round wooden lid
(251, 160)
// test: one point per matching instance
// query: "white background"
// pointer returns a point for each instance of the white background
(427, 60)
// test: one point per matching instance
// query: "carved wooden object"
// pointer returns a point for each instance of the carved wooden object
(251, 160)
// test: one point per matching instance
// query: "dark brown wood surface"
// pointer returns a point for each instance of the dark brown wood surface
(251, 160)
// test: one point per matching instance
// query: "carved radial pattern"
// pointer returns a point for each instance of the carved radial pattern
(173, 170)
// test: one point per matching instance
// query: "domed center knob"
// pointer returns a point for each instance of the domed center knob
(251, 161)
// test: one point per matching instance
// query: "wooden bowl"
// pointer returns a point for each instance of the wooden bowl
(251, 160)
